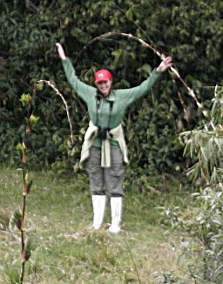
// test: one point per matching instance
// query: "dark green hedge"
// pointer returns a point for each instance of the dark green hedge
(191, 31)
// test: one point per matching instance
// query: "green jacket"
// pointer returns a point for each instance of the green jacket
(109, 111)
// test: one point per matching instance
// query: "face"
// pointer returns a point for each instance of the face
(104, 87)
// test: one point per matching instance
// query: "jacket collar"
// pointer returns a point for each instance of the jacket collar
(110, 97)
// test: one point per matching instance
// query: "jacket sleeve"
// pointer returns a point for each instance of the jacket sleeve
(133, 94)
(83, 90)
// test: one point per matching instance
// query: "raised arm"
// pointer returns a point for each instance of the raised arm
(132, 94)
(82, 89)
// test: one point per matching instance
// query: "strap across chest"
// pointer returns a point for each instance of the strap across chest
(98, 101)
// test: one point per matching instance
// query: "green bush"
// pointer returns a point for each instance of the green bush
(204, 222)
(28, 33)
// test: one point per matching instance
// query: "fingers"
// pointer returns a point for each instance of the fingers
(165, 64)
(60, 51)
(58, 45)
(168, 59)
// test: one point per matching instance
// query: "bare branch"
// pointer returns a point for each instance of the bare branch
(172, 71)
(52, 85)
(30, 6)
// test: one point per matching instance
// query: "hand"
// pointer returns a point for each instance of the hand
(165, 64)
(60, 51)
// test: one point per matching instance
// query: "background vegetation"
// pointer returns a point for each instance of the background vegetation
(190, 31)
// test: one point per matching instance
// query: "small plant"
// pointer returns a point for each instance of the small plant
(205, 147)
(18, 218)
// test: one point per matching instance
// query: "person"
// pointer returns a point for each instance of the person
(104, 151)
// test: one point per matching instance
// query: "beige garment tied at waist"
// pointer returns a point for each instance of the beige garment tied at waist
(115, 134)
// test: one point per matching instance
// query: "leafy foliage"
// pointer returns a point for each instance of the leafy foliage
(205, 221)
(28, 33)
(15, 220)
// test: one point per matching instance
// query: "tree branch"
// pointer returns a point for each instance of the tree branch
(52, 85)
(172, 71)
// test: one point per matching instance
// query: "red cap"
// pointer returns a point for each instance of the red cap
(102, 75)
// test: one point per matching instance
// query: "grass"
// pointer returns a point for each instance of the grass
(65, 250)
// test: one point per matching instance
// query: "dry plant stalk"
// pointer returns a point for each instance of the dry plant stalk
(25, 244)
(172, 70)
(53, 86)
(18, 218)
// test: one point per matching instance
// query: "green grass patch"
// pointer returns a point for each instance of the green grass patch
(65, 250)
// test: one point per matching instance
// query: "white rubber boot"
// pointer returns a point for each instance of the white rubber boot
(98, 203)
(116, 214)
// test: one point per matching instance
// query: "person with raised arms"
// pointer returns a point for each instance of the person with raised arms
(104, 151)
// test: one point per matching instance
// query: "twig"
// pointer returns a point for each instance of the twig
(52, 85)
(23, 239)
(22, 274)
(215, 90)
(30, 6)
(18, 218)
